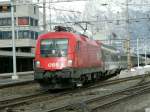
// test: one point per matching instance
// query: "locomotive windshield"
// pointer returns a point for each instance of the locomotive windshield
(54, 47)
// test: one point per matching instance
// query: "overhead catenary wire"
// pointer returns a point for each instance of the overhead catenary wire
(108, 20)
(92, 21)
(52, 2)
(53, 8)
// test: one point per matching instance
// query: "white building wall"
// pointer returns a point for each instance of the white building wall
(21, 11)
(19, 43)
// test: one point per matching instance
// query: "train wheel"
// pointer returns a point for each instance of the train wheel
(84, 79)
(93, 77)
(98, 76)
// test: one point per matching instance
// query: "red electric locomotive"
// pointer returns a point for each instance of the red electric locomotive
(65, 59)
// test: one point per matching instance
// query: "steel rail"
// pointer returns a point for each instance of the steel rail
(120, 93)
(19, 100)
(106, 82)
(119, 80)
(118, 98)
(45, 95)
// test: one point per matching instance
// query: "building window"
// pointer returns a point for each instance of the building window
(1, 21)
(29, 35)
(5, 21)
(9, 34)
(24, 34)
(36, 35)
(32, 35)
(9, 21)
(5, 35)
(5, 8)
(36, 22)
(20, 34)
(31, 21)
(23, 21)
(1, 35)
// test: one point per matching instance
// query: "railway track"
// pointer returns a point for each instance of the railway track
(41, 96)
(118, 80)
(19, 100)
(102, 102)
(116, 97)
(103, 82)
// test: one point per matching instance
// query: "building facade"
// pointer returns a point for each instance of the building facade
(26, 18)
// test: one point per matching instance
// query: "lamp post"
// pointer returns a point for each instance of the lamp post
(50, 27)
(44, 15)
(145, 53)
(14, 75)
(138, 51)
(128, 37)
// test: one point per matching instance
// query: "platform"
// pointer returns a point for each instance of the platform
(133, 72)
(8, 75)
(5, 79)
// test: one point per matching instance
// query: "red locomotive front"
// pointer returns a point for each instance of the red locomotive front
(54, 51)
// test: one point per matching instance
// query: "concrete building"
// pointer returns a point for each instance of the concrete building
(26, 33)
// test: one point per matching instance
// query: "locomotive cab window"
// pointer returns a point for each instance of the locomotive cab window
(54, 47)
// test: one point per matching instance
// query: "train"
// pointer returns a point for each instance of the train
(65, 59)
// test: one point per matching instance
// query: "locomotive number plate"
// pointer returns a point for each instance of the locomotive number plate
(53, 65)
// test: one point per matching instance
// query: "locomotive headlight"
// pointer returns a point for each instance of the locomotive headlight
(69, 62)
(37, 63)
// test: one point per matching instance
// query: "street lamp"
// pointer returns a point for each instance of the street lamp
(145, 53)
(14, 75)
(44, 15)
(138, 52)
